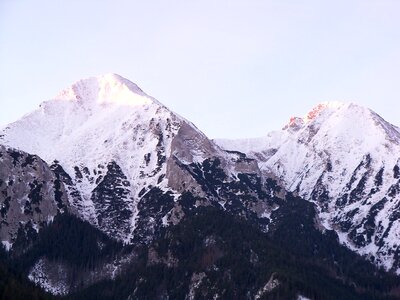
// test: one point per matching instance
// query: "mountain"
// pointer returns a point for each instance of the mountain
(130, 167)
(120, 198)
(114, 147)
(346, 159)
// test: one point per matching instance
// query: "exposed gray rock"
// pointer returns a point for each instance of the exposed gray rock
(30, 193)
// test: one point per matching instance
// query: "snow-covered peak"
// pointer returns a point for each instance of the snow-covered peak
(105, 107)
(351, 123)
(108, 136)
(345, 158)
(339, 119)
(320, 110)
(323, 108)
(106, 89)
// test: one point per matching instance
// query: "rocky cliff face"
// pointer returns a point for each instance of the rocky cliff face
(30, 194)
(345, 158)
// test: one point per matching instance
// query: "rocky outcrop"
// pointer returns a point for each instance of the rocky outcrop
(30, 194)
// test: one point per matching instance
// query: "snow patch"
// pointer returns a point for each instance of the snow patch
(39, 274)
(7, 245)
(268, 287)
(300, 297)
(195, 282)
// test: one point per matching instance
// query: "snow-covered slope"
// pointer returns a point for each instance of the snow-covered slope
(345, 158)
(111, 144)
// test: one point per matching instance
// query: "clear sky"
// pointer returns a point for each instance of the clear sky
(234, 68)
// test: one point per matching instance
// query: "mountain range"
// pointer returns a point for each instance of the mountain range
(103, 189)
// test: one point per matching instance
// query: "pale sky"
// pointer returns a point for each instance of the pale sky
(237, 68)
